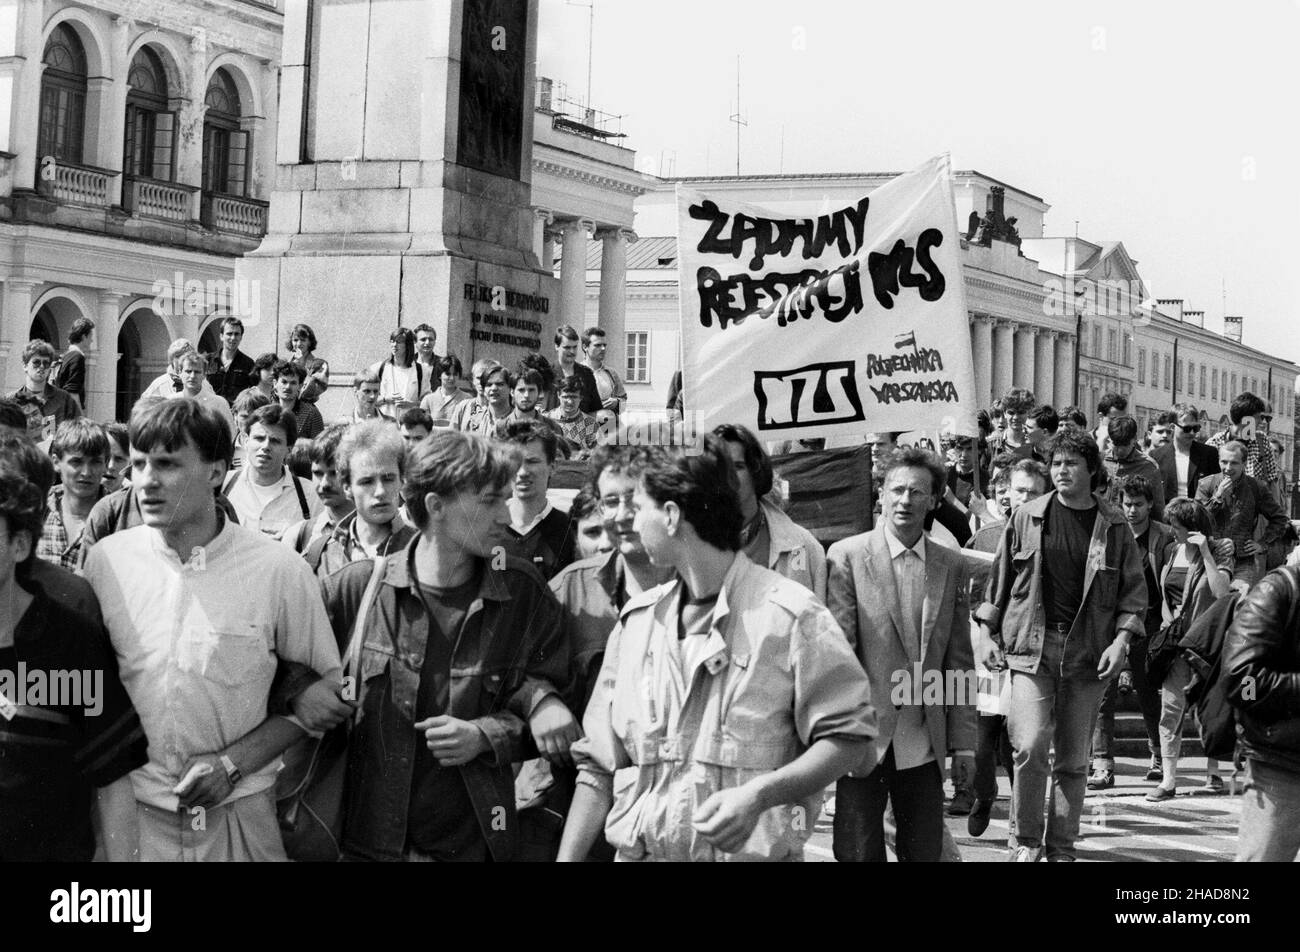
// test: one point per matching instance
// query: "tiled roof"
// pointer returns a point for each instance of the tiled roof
(645, 254)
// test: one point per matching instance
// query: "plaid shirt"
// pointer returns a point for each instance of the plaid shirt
(54, 545)
(1259, 455)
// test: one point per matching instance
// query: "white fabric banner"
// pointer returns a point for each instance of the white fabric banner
(838, 324)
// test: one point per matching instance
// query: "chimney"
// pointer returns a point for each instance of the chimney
(1232, 328)
(1195, 317)
(1170, 307)
(545, 87)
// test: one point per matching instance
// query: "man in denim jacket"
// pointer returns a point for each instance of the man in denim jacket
(461, 646)
(1065, 596)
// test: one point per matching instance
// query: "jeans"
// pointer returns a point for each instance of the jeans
(1048, 711)
(1270, 816)
(1103, 737)
(917, 796)
(1148, 694)
(991, 745)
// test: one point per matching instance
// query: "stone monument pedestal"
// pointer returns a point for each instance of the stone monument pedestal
(403, 186)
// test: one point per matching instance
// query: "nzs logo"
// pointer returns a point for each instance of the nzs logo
(816, 395)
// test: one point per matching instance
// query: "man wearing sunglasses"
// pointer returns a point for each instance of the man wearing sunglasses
(1185, 461)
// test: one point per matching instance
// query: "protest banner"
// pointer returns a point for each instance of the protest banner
(837, 324)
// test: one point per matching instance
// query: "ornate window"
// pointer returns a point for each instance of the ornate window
(63, 97)
(225, 144)
(150, 128)
(1142, 365)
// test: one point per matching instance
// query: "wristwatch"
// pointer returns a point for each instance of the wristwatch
(232, 772)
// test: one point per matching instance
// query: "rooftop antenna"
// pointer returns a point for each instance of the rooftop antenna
(737, 118)
(1076, 228)
(591, 24)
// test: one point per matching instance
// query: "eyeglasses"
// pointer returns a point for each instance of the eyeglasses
(611, 504)
(1190, 429)
(39, 364)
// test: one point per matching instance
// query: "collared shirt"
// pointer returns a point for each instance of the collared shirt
(55, 546)
(608, 383)
(198, 642)
(440, 406)
(912, 746)
(271, 513)
(777, 675)
(345, 545)
(548, 541)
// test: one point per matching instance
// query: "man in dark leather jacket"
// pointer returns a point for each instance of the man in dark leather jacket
(1261, 663)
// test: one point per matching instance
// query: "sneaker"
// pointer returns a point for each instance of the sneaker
(961, 803)
(1214, 784)
(1103, 778)
(978, 821)
(1160, 795)
(1060, 858)
(1155, 771)
(1026, 854)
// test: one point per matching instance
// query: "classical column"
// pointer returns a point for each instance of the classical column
(981, 347)
(101, 363)
(1064, 369)
(545, 246)
(14, 331)
(25, 104)
(613, 293)
(1043, 376)
(107, 116)
(1023, 370)
(1003, 356)
(573, 271)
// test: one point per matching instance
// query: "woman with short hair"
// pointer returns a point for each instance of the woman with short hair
(316, 370)
(1192, 581)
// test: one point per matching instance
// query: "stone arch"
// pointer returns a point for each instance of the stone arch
(62, 306)
(178, 86)
(142, 340)
(241, 72)
(89, 30)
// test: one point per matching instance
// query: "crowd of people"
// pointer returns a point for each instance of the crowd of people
(672, 669)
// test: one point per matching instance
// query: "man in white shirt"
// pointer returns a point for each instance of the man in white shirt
(1185, 461)
(192, 369)
(265, 494)
(200, 611)
(608, 383)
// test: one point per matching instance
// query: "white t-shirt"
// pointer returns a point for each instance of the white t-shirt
(1182, 462)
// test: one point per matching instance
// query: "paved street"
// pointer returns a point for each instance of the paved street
(1119, 825)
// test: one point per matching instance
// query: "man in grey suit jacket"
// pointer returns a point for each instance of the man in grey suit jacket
(903, 602)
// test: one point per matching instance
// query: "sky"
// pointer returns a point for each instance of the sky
(1169, 126)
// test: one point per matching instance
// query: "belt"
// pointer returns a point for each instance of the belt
(1061, 627)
